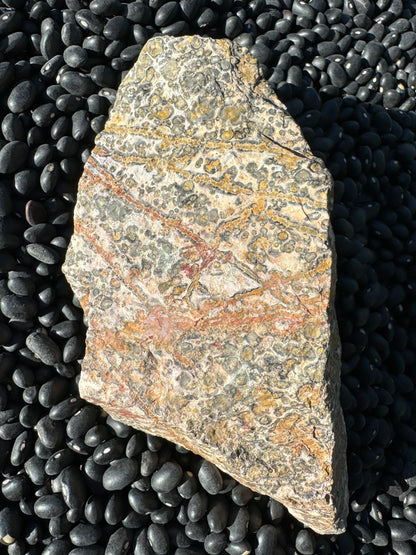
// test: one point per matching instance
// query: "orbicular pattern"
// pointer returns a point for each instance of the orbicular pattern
(203, 257)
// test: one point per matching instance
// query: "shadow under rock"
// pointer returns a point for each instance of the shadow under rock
(370, 153)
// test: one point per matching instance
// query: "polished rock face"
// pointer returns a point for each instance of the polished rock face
(204, 260)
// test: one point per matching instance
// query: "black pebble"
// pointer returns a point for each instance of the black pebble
(69, 103)
(119, 428)
(108, 451)
(94, 509)
(217, 517)
(197, 506)
(170, 499)
(57, 547)
(89, 21)
(83, 535)
(13, 156)
(116, 28)
(268, 539)
(197, 531)
(372, 53)
(10, 430)
(7, 73)
(14, 44)
(80, 125)
(210, 478)
(50, 432)
(30, 413)
(135, 445)
(10, 526)
(73, 349)
(71, 35)
(75, 56)
(77, 83)
(149, 462)
(116, 508)
(74, 491)
(163, 515)
(66, 329)
(142, 544)
(22, 447)
(81, 421)
(305, 542)
(58, 461)
(43, 253)
(137, 12)
(233, 27)
(401, 530)
(67, 408)
(166, 14)
(143, 502)
(158, 539)
(44, 114)
(18, 307)
(167, 477)
(391, 99)
(96, 435)
(104, 76)
(94, 472)
(241, 495)
(22, 286)
(44, 347)
(337, 74)
(94, 44)
(21, 97)
(119, 543)
(50, 506)
(12, 128)
(35, 469)
(407, 40)
(238, 525)
(215, 543)
(120, 474)
(15, 487)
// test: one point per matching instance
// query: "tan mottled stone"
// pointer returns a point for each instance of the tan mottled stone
(203, 257)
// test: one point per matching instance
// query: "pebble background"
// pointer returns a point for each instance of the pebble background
(76, 481)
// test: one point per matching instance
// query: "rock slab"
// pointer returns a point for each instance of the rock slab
(203, 257)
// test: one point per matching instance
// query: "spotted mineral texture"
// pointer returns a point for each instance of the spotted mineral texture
(203, 258)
